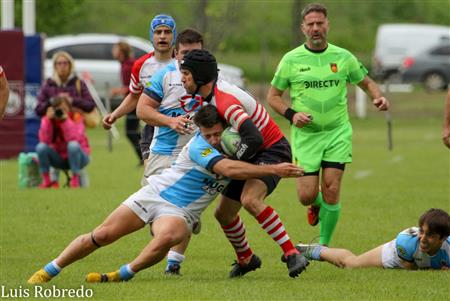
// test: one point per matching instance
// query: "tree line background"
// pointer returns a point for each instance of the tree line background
(252, 34)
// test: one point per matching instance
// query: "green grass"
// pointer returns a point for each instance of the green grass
(383, 193)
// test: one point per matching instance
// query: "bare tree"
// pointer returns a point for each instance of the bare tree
(296, 21)
(201, 22)
(216, 24)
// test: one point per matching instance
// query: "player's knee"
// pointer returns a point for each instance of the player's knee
(85, 239)
(252, 205)
(331, 194)
(103, 236)
(170, 239)
(307, 197)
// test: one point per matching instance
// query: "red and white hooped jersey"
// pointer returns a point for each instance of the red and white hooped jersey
(143, 69)
(235, 106)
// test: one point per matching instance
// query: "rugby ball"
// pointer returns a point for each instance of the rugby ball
(230, 141)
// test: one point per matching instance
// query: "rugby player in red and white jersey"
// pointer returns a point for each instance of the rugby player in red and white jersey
(262, 142)
(162, 35)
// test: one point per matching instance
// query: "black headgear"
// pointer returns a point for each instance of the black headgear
(202, 65)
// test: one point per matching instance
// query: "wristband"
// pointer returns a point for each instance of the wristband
(289, 114)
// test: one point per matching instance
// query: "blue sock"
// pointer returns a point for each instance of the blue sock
(315, 254)
(52, 268)
(125, 272)
(174, 258)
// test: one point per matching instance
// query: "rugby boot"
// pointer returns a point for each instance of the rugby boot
(108, 277)
(313, 215)
(40, 276)
(239, 270)
(173, 269)
(296, 263)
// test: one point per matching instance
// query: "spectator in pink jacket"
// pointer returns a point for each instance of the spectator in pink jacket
(64, 83)
(62, 142)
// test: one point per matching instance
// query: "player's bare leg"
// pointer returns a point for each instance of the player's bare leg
(120, 222)
(175, 257)
(168, 231)
(343, 258)
(307, 189)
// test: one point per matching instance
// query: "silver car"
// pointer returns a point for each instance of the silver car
(430, 67)
(93, 57)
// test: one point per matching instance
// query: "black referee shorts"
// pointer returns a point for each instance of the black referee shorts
(277, 153)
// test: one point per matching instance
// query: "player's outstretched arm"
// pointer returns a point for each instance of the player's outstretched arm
(127, 105)
(240, 170)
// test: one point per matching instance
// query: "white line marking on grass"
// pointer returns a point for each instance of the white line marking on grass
(361, 174)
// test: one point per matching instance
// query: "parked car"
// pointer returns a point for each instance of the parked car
(431, 67)
(92, 54)
(395, 42)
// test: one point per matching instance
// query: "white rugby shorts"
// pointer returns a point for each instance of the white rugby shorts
(389, 256)
(149, 206)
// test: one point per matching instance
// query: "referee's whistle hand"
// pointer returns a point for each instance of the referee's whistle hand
(301, 119)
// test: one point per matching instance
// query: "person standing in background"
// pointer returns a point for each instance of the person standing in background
(317, 74)
(122, 52)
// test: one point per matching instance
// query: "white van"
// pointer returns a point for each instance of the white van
(394, 42)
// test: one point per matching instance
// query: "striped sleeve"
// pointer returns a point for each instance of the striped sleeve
(135, 86)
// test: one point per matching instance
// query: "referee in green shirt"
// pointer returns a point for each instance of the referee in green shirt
(316, 74)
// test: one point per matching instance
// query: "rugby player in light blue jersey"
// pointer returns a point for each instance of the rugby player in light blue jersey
(170, 203)
(423, 247)
(166, 106)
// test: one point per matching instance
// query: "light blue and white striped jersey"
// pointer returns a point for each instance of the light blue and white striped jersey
(189, 183)
(407, 245)
(166, 87)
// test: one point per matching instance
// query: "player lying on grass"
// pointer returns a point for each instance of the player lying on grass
(423, 247)
(171, 203)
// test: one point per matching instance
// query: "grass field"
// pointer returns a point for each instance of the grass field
(383, 193)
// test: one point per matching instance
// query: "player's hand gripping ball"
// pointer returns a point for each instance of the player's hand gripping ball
(230, 141)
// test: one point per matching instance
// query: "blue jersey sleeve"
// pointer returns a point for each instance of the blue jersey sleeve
(202, 153)
(406, 245)
(155, 88)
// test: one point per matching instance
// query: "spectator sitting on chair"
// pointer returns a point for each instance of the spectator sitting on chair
(62, 142)
(65, 83)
